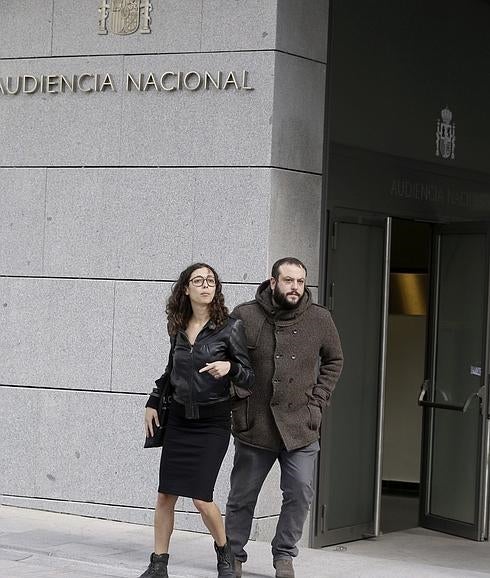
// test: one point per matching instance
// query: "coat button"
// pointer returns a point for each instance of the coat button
(278, 356)
(276, 380)
(293, 356)
(295, 331)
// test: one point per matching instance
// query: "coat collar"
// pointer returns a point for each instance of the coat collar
(274, 312)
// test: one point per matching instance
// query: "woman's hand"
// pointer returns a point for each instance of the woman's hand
(151, 416)
(217, 369)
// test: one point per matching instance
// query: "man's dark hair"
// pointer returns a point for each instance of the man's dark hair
(288, 261)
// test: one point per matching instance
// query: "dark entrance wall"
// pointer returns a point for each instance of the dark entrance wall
(395, 66)
(380, 183)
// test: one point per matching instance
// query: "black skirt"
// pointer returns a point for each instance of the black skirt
(194, 451)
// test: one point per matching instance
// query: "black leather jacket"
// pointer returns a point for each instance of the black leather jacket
(193, 389)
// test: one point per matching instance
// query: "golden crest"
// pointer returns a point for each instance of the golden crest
(126, 16)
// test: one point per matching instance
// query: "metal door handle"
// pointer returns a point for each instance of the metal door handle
(462, 408)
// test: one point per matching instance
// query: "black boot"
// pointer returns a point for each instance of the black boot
(157, 567)
(226, 561)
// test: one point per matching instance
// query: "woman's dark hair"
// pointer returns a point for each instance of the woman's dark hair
(179, 309)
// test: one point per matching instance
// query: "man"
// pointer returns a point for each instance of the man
(295, 351)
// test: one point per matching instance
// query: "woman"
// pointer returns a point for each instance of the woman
(208, 358)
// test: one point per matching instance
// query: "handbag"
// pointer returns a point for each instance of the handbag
(158, 437)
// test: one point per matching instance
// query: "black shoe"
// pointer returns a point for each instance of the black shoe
(226, 561)
(157, 567)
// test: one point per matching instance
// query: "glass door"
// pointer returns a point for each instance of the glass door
(454, 395)
(349, 472)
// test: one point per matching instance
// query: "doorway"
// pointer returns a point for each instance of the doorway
(375, 435)
(405, 369)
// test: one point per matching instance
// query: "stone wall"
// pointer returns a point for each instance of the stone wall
(106, 195)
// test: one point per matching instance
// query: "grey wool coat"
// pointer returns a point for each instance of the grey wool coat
(297, 359)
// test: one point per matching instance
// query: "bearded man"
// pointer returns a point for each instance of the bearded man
(295, 351)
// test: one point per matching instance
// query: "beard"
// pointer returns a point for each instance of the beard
(281, 299)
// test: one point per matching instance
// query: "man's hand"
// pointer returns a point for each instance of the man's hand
(151, 415)
(217, 369)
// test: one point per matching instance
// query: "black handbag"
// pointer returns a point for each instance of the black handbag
(158, 437)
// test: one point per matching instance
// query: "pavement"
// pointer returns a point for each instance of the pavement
(41, 544)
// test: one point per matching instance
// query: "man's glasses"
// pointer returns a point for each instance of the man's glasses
(198, 281)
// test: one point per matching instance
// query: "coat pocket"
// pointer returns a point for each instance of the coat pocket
(239, 415)
(315, 417)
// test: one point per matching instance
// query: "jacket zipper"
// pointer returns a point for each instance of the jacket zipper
(191, 352)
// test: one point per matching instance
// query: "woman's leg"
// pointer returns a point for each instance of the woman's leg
(211, 516)
(164, 522)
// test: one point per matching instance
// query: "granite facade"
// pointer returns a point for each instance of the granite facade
(108, 190)
(21, 19)
(22, 192)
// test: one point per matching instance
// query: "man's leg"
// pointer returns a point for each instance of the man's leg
(297, 469)
(250, 468)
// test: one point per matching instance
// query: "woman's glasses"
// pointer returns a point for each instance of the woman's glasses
(198, 281)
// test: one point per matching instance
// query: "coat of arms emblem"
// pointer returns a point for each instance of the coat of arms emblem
(125, 16)
(445, 135)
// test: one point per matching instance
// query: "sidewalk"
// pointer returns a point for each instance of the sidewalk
(47, 545)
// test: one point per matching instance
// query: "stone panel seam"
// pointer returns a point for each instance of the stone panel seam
(269, 211)
(112, 335)
(146, 54)
(61, 500)
(105, 504)
(272, 140)
(276, 28)
(294, 55)
(202, 17)
(121, 114)
(45, 388)
(146, 167)
(45, 216)
(194, 223)
(59, 278)
(52, 27)
(51, 278)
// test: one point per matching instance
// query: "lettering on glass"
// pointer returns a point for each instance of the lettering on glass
(446, 135)
(124, 16)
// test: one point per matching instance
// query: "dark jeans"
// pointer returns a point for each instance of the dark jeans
(250, 468)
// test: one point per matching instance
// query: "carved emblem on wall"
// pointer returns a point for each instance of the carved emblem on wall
(124, 16)
(446, 135)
